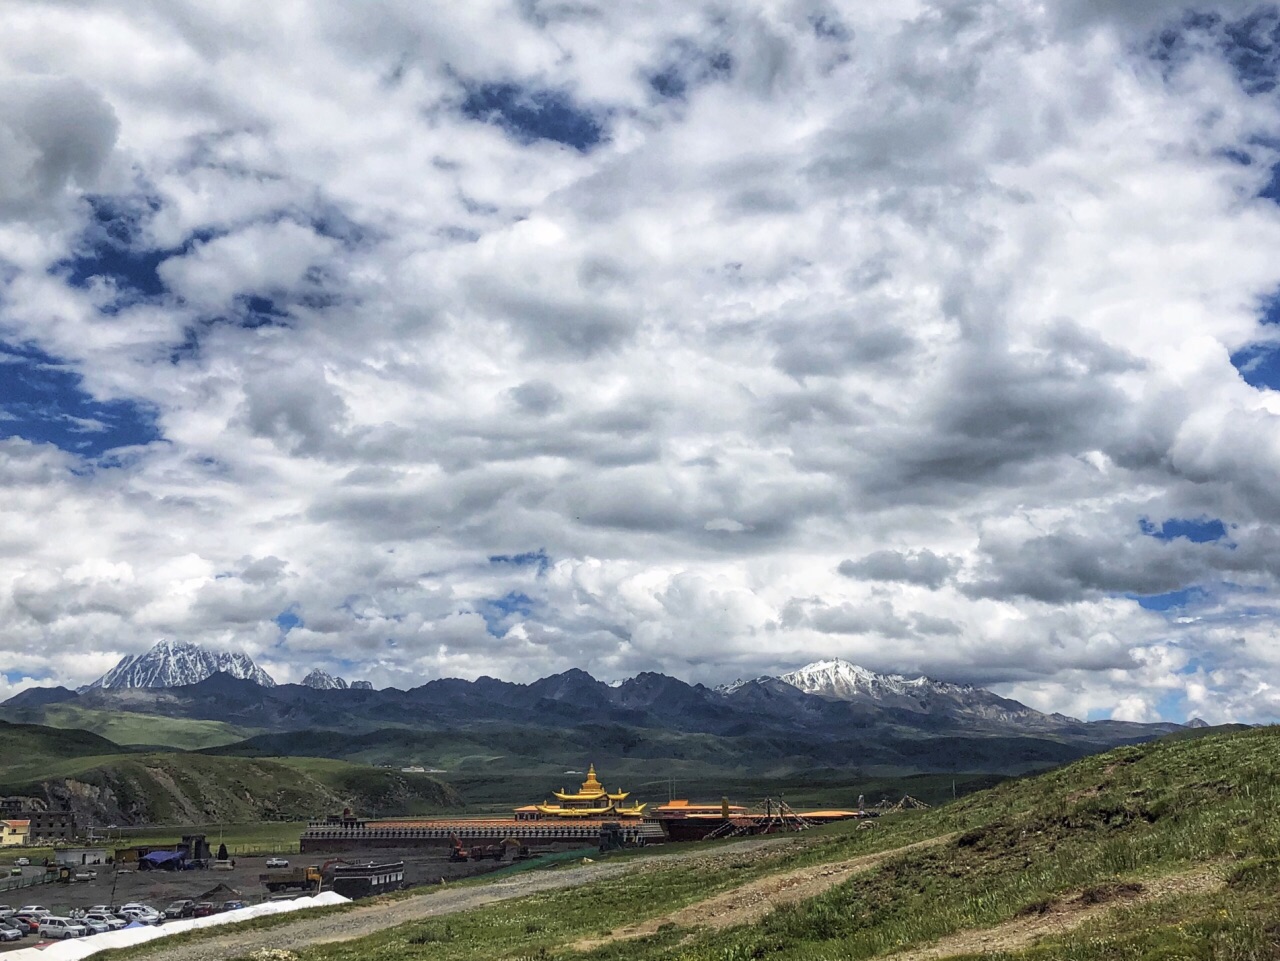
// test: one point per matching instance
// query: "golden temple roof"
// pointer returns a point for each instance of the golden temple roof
(591, 790)
(590, 800)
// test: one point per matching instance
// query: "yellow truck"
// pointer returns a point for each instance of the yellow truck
(302, 879)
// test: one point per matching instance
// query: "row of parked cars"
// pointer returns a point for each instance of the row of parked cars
(38, 920)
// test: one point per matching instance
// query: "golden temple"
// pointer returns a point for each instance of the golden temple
(592, 800)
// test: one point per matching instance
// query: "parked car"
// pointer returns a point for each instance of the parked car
(234, 905)
(59, 929)
(180, 909)
(110, 920)
(93, 925)
(6, 911)
(30, 921)
(13, 931)
(144, 913)
(277, 863)
(22, 862)
(204, 909)
(33, 909)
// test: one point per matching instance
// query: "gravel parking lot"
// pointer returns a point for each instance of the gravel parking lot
(159, 888)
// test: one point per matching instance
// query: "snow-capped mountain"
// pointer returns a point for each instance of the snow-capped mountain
(844, 681)
(176, 664)
(324, 681)
(839, 680)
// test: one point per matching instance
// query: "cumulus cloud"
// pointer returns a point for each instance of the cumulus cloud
(56, 134)
(922, 567)
(793, 330)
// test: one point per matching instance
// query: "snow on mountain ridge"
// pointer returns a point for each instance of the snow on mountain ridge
(177, 664)
(324, 681)
(841, 679)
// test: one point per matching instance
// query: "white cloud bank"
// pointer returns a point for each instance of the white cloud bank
(866, 329)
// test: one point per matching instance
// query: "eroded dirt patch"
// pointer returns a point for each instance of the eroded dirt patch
(1063, 914)
(754, 900)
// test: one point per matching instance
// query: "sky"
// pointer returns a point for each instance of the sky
(415, 340)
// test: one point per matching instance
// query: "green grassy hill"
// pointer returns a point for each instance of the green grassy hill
(130, 728)
(1170, 850)
(35, 744)
(107, 785)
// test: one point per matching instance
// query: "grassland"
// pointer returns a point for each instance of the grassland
(1115, 831)
(107, 786)
(129, 728)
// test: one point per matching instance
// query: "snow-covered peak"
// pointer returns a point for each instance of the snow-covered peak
(840, 679)
(740, 683)
(324, 681)
(179, 663)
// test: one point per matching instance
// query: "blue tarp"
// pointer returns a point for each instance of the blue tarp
(166, 858)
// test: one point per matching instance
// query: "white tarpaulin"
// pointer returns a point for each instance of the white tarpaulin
(78, 948)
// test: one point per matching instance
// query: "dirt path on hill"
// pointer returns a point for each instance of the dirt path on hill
(371, 918)
(754, 900)
(1063, 915)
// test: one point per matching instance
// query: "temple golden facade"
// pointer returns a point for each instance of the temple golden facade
(592, 800)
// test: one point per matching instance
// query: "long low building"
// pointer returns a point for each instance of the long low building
(590, 815)
(336, 835)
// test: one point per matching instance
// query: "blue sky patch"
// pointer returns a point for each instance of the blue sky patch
(496, 610)
(538, 559)
(531, 113)
(1202, 530)
(42, 400)
(1259, 365)
(686, 66)
(249, 312)
(1250, 45)
(114, 250)
(288, 620)
(1171, 601)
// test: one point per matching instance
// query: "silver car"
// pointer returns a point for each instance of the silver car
(61, 928)
(93, 925)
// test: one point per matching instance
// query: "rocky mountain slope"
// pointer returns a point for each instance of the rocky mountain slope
(177, 663)
(842, 681)
(830, 714)
(324, 681)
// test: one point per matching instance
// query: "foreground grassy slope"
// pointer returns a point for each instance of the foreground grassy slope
(1117, 832)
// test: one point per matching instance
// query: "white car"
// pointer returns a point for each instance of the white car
(33, 909)
(140, 912)
(23, 862)
(110, 920)
(277, 862)
(60, 929)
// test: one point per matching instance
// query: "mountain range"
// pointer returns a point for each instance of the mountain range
(829, 715)
(181, 663)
